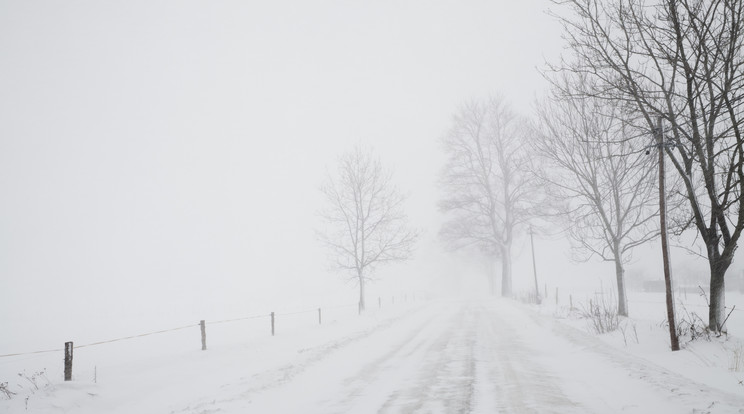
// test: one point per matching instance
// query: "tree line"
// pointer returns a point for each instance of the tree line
(634, 73)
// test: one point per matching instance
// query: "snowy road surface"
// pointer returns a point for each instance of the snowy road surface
(484, 357)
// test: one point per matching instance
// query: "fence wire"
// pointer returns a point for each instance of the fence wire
(172, 330)
(245, 318)
(135, 336)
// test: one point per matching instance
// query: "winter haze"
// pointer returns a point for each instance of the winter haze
(161, 163)
(163, 159)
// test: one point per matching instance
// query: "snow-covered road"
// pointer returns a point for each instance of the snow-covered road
(486, 356)
(457, 357)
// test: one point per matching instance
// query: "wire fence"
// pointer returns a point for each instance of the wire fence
(568, 298)
(162, 331)
(67, 349)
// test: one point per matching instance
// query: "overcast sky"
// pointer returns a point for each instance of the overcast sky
(161, 160)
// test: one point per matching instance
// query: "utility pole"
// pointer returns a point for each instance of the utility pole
(534, 267)
(661, 145)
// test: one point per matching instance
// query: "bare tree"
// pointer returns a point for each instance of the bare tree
(365, 222)
(680, 61)
(486, 186)
(600, 187)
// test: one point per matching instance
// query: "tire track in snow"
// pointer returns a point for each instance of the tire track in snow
(513, 381)
(488, 357)
(380, 383)
(245, 388)
(444, 382)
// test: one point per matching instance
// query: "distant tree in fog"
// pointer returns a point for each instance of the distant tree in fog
(487, 189)
(365, 225)
(599, 186)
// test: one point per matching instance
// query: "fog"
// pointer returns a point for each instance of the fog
(160, 161)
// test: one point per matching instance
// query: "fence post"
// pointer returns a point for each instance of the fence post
(68, 361)
(320, 318)
(379, 302)
(272, 323)
(546, 291)
(570, 302)
(393, 300)
(556, 296)
(203, 326)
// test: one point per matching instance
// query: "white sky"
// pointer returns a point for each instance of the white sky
(160, 160)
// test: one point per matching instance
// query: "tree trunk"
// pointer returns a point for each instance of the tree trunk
(361, 291)
(717, 310)
(622, 299)
(506, 267)
(492, 278)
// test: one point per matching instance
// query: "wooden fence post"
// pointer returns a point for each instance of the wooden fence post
(556, 296)
(68, 361)
(203, 326)
(379, 302)
(320, 318)
(272, 323)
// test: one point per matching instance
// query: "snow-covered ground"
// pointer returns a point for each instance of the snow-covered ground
(481, 356)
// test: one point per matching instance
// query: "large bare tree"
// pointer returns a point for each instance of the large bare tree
(485, 182)
(599, 185)
(365, 225)
(680, 61)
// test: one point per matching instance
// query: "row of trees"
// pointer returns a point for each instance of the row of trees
(589, 178)
(680, 61)
(631, 65)
(581, 159)
(571, 164)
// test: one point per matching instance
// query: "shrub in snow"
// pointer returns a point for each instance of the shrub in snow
(37, 380)
(627, 331)
(736, 358)
(601, 315)
(28, 385)
(5, 391)
(691, 326)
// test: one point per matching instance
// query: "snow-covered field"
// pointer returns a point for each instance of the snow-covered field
(443, 356)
